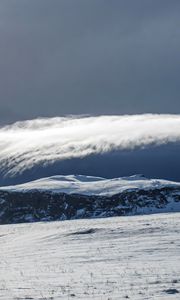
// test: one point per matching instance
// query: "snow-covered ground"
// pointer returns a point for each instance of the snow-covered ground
(89, 185)
(116, 258)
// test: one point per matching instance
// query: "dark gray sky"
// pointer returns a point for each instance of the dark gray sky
(88, 57)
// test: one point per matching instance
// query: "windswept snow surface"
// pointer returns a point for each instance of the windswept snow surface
(117, 258)
(89, 185)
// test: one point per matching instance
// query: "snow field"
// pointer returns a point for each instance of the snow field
(115, 258)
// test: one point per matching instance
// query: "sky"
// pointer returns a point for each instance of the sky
(88, 57)
(111, 69)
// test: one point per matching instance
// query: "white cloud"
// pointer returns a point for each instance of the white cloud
(40, 141)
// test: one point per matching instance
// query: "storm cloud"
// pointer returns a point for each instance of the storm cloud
(88, 57)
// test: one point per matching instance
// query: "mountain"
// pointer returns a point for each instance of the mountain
(78, 196)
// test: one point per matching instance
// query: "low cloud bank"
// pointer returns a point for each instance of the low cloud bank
(26, 144)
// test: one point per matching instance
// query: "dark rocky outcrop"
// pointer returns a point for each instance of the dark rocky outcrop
(32, 206)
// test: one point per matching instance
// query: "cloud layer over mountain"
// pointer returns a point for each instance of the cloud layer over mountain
(23, 145)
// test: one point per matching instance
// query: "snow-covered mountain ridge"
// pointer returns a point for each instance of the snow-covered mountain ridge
(90, 185)
(78, 196)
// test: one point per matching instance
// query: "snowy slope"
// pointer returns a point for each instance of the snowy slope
(103, 259)
(88, 185)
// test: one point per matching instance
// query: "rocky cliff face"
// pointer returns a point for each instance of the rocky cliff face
(32, 206)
